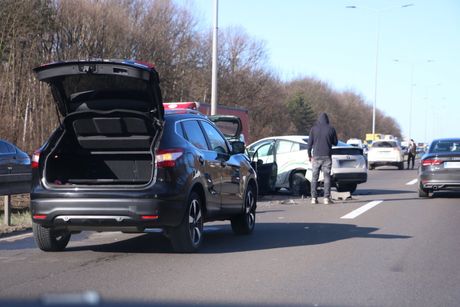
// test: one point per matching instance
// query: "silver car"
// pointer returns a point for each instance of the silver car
(440, 167)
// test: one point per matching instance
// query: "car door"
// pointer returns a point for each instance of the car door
(262, 157)
(228, 166)
(208, 162)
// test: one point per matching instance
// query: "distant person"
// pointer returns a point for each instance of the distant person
(322, 137)
(411, 152)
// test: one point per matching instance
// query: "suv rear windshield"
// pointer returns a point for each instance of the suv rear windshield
(384, 144)
(79, 88)
(351, 151)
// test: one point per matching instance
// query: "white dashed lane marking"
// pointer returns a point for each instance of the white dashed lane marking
(412, 182)
(15, 238)
(362, 209)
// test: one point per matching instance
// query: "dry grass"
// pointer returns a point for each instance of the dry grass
(20, 215)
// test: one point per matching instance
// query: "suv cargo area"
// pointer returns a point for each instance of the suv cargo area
(102, 148)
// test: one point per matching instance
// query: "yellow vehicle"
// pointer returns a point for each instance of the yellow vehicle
(373, 137)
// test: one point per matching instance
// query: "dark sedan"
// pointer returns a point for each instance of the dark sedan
(440, 167)
(14, 169)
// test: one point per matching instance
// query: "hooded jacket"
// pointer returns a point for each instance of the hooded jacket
(322, 137)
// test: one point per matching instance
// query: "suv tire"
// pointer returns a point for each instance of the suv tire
(244, 223)
(299, 185)
(423, 192)
(49, 239)
(187, 237)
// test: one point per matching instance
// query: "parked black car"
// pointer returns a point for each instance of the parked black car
(440, 167)
(119, 162)
(15, 169)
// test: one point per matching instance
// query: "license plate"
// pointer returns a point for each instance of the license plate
(451, 164)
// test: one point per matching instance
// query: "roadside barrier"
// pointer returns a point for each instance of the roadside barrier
(17, 185)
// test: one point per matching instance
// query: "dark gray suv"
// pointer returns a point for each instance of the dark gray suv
(118, 162)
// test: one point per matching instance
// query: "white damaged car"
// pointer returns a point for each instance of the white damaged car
(282, 162)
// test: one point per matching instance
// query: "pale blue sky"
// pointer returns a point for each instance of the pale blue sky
(325, 40)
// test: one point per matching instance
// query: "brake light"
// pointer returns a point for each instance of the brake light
(428, 162)
(39, 216)
(149, 217)
(167, 157)
(36, 158)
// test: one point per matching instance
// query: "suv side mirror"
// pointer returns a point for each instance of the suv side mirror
(237, 147)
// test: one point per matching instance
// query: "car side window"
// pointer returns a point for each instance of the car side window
(295, 147)
(265, 149)
(180, 130)
(216, 140)
(303, 146)
(3, 148)
(283, 147)
(195, 134)
(6, 148)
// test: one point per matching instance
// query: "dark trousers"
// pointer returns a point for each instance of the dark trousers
(323, 163)
(410, 157)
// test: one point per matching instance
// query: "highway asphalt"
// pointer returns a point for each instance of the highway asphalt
(397, 250)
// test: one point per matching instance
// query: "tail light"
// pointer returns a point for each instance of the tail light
(167, 157)
(428, 162)
(39, 216)
(36, 158)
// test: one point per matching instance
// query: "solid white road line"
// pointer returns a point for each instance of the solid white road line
(15, 238)
(412, 182)
(362, 209)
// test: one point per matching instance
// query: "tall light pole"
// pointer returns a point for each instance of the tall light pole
(214, 61)
(378, 17)
(412, 84)
(428, 107)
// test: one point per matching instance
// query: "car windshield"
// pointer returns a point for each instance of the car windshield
(384, 145)
(445, 146)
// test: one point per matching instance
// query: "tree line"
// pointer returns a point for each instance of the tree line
(33, 32)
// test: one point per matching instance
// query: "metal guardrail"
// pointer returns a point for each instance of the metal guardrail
(11, 184)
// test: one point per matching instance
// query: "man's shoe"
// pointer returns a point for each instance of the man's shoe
(328, 201)
(314, 200)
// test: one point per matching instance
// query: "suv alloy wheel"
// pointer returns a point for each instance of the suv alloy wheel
(244, 223)
(187, 237)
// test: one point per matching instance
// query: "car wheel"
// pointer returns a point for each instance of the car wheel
(50, 239)
(423, 192)
(245, 222)
(350, 187)
(401, 165)
(299, 185)
(371, 166)
(187, 237)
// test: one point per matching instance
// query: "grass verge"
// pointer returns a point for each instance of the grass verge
(20, 215)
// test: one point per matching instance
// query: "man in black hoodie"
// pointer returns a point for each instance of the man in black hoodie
(321, 139)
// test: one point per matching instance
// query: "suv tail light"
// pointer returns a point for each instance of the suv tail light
(36, 158)
(167, 157)
(429, 162)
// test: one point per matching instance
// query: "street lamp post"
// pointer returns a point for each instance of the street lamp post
(412, 84)
(214, 61)
(378, 13)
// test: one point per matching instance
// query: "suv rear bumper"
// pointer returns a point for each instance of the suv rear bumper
(103, 214)
(350, 177)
